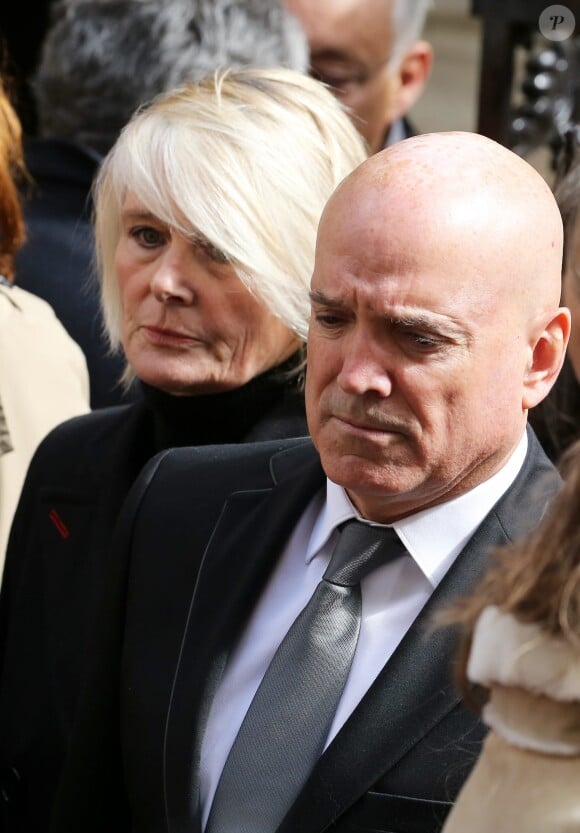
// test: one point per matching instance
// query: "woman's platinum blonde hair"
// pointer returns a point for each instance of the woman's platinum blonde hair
(245, 158)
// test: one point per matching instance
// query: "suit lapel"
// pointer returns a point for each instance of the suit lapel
(239, 558)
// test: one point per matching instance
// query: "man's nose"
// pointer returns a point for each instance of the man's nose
(366, 366)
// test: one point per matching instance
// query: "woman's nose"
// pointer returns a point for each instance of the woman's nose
(173, 279)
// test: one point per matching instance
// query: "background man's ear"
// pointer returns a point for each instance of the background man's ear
(547, 359)
(410, 78)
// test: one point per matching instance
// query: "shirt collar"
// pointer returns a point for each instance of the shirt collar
(434, 537)
(395, 133)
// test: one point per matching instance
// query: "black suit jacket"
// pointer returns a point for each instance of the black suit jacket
(56, 561)
(199, 536)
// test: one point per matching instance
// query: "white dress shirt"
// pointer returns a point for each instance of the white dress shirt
(392, 596)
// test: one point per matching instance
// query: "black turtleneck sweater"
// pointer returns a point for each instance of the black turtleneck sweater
(270, 406)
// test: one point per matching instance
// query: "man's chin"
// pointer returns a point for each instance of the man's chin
(353, 469)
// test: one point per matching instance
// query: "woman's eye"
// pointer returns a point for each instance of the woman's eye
(215, 254)
(147, 236)
(210, 251)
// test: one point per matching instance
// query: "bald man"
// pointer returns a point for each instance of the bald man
(435, 327)
(371, 54)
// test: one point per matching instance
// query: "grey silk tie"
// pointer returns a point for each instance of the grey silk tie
(286, 726)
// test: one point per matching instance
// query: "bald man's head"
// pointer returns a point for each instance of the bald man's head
(498, 211)
(435, 315)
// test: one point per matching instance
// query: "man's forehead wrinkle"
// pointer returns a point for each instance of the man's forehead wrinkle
(317, 296)
(389, 303)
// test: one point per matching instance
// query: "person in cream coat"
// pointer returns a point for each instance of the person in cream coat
(43, 373)
(522, 649)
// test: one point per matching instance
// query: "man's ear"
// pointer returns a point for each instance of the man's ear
(410, 77)
(547, 359)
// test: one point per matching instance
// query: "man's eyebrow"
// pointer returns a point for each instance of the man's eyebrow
(445, 327)
(318, 297)
(418, 319)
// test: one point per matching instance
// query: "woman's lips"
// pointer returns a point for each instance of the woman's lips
(162, 335)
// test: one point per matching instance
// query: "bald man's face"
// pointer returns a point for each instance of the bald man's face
(419, 343)
(350, 46)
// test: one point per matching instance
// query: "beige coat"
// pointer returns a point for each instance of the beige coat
(527, 778)
(43, 381)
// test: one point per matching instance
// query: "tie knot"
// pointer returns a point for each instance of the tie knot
(360, 549)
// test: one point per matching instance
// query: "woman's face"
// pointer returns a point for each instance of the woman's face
(189, 325)
(571, 296)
